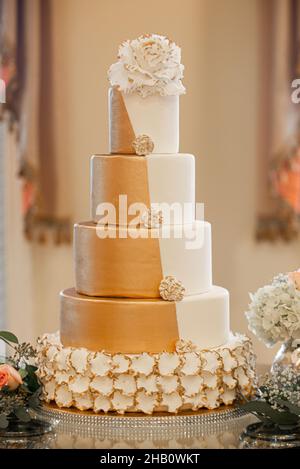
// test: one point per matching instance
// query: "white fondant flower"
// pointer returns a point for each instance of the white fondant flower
(51, 352)
(49, 390)
(168, 384)
(121, 364)
(100, 364)
(152, 218)
(83, 401)
(241, 376)
(125, 383)
(149, 383)
(229, 361)
(64, 376)
(121, 403)
(79, 359)
(63, 396)
(148, 65)
(192, 384)
(172, 401)
(197, 401)
(228, 396)
(102, 384)
(79, 384)
(171, 289)
(102, 403)
(143, 145)
(62, 358)
(142, 364)
(211, 361)
(191, 363)
(167, 363)
(229, 380)
(210, 380)
(212, 398)
(145, 402)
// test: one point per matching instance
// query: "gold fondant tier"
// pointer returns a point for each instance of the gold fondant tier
(117, 325)
(113, 176)
(118, 267)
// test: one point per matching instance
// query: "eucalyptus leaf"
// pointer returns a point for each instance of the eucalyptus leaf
(9, 337)
(3, 421)
(22, 414)
(264, 410)
(23, 373)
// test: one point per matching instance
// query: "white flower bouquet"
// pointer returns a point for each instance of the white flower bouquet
(274, 310)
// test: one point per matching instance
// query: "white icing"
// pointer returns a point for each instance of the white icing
(204, 320)
(191, 363)
(121, 364)
(84, 401)
(157, 117)
(210, 380)
(146, 402)
(171, 180)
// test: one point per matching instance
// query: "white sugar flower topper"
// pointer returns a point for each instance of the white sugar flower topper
(148, 65)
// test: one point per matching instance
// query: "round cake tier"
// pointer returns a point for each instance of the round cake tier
(131, 116)
(143, 325)
(124, 262)
(188, 378)
(123, 186)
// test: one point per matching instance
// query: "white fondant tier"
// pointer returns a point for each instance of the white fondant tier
(124, 262)
(155, 116)
(166, 180)
(205, 319)
(188, 378)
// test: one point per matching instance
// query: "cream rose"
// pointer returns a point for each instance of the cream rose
(295, 278)
(9, 377)
(148, 65)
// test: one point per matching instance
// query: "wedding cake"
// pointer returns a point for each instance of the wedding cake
(144, 329)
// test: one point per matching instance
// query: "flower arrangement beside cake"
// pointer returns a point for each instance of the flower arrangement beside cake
(144, 329)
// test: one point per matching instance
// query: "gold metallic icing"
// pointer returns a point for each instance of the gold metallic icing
(117, 325)
(114, 266)
(115, 175)
(121, 133)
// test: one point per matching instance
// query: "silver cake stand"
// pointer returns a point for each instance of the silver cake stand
(139, 426)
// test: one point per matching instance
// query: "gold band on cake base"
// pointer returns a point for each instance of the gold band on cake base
(117, 325)
(115, 175)
(114, 266)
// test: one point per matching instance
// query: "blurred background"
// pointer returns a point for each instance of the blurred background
(229, 51)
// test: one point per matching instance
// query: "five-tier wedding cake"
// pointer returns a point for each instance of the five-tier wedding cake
(144, 329)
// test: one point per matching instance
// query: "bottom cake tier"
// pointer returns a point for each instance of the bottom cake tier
(187, 379)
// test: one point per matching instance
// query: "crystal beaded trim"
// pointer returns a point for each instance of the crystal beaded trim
(201, 422)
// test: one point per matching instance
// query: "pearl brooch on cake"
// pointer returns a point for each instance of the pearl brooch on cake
(143, 145)
(171, 289)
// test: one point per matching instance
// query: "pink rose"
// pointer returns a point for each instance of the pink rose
(295, 278)
(9, 377)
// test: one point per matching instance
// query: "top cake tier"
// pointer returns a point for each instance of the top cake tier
(144, 97)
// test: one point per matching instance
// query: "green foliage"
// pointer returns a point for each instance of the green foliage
(8, 337)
